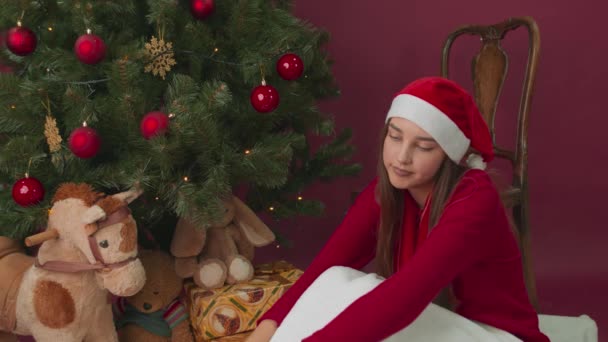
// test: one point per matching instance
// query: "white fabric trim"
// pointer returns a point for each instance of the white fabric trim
(433, 121)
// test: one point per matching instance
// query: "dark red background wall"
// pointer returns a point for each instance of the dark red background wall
(379, 46)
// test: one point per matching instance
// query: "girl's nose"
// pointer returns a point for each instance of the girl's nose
(405, 155)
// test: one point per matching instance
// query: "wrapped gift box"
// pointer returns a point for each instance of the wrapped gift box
(234, 309)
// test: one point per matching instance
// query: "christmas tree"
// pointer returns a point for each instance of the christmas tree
(189, 100)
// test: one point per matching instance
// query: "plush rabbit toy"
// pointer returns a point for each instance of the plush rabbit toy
(220, 252)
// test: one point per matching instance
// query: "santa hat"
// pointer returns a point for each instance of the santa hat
(449, 114)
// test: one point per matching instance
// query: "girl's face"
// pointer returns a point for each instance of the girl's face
(411, 156)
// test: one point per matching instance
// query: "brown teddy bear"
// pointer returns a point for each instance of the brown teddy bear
(220, 252)
(154, 314)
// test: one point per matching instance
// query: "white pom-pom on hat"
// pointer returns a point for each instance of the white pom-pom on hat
(475, 161)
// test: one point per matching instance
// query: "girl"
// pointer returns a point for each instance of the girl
(433, 225)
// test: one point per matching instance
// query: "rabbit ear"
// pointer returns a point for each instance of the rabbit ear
(252, 227)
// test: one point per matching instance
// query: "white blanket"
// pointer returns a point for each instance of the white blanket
(338, 287)
(568, 329)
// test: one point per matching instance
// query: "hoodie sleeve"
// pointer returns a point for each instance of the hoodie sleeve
(352, 244)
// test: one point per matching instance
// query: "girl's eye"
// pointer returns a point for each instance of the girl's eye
(425, 148)
(396, 138)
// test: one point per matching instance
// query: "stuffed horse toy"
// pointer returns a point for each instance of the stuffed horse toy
(89, 250)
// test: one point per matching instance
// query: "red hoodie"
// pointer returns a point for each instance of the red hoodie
(472, 247)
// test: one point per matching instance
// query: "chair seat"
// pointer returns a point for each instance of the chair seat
(568, 329)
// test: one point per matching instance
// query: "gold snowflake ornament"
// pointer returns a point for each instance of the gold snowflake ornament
(51, 132)
(160, 55)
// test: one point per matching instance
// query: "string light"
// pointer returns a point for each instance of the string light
(186, 179)
(299, 198)
(50, 29)
(216, 50)
(247, 152)
(13, 106)
(271, 208)
(171, 115)
(156, 198)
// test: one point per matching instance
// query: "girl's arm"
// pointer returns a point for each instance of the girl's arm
(263, 332)
(352, 245)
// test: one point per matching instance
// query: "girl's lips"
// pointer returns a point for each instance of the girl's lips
(401, 172)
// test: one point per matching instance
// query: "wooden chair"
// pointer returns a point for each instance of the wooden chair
(489, 69)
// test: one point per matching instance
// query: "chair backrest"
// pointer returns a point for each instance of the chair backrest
(489, 69)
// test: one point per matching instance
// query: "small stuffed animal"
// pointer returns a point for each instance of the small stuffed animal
(222, 251)
(154, 314)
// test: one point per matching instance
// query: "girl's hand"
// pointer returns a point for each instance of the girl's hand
(263, 332)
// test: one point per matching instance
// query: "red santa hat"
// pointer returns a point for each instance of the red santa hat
(449, 114)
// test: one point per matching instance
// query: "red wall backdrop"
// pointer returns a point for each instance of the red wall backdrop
(379, 46)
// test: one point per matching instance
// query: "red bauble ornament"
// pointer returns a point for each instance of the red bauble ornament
(84, 142)
(201, 9)
(90, 49)
(28, 191)
(21, 41)
(290, 66)
(153, 124)
(264, 98)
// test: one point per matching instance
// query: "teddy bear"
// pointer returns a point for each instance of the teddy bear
(154, 314)
(221, 252)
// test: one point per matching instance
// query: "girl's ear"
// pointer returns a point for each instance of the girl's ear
(251, 226)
